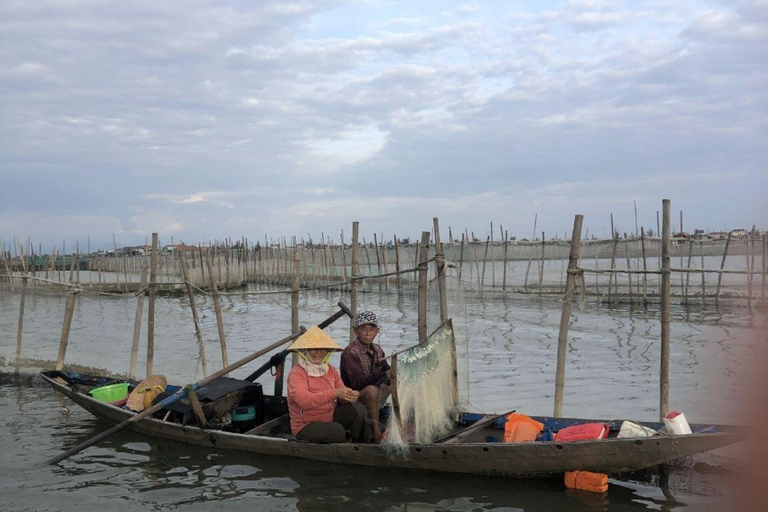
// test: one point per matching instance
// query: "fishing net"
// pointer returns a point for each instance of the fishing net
(426, 391)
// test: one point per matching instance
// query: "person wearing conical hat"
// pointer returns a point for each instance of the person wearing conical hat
(321, 407)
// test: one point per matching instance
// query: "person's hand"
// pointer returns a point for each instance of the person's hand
(346, 394)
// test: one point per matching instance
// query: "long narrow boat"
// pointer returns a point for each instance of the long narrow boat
(476, 454)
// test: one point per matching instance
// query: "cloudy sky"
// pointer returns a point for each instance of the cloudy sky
(212, 119)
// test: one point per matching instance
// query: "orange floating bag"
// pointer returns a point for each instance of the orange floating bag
(521, 428)
(586, 481)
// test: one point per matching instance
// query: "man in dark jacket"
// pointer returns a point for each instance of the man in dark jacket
(364, 369)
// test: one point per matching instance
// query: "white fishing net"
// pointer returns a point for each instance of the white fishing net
(426, 392)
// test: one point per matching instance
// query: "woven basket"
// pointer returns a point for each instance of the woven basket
(149, 385)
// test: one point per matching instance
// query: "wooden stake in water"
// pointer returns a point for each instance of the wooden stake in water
(562, 337)
(722, 265)
(485, 260)
(612, 279)
(22, 302)
(541, 264)
(530, 256)
(151, 307)
(137, 325)
(629, 269)
(422, 295)
(504, 273)
(353, 285)
(398, 259)
(665, 314)
(66, 327)
(440, 264)
(645, 267)
(195, 319)
(217, 309)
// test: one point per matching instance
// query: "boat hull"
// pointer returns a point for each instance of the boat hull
(509, 459)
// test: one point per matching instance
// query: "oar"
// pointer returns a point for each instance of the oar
(183, 391)
(278, 358)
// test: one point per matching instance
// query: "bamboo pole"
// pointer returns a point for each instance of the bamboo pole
(530, 256)
(353, 285)
(440, 264)
(151, 307)
(613, 280)
(65, 329)
(22, 302)
(749, 276)
(629, 267)
(485, 259)
(565, 317)
(384, 252)
(765, 267)
(422, 295)
(703, 277)
(217, 309)
(343, 256)
(295, 299)
(137, 325)
(645, 267)
(195, 319)
(461, 256)
(688, 276)
(378, 259)
(665, 315)
(493, 266)
(398, 260)
(722, 265)
(541, 263)
(504, 273)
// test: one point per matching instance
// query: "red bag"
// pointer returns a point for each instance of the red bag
(584, 432)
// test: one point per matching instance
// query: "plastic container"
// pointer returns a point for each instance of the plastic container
(631, 429)
(677, 424)
(583, 432)
(243, 418)
(111, 393)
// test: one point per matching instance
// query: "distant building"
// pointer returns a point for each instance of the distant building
(718, 235)
(738, 233)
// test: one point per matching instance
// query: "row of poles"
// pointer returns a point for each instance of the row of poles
(574, 281)
(574, 271)
(328, 265)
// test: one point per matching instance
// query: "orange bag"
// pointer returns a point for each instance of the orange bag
(586, 481)
(521, 429)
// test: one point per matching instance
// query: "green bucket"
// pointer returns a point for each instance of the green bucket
(111, 393)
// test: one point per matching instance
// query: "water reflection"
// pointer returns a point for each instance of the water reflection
(133, 472)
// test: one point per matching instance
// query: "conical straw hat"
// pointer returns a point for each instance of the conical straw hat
(136, 399)
(314, 338)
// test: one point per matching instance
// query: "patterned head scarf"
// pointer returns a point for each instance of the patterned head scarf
(313, 369)
(366, 318)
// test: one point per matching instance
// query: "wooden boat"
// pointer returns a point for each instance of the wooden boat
(475, 454)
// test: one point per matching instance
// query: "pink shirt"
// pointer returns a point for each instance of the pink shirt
(311, 398)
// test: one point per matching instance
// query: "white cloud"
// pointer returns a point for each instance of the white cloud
(214, 115)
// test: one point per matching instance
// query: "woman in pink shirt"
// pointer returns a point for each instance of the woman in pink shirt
(321, 407)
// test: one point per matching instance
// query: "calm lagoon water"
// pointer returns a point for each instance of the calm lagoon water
(507, 347)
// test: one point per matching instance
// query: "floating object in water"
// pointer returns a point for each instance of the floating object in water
(586, 481)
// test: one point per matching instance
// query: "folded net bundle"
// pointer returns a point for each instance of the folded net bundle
(426, 392)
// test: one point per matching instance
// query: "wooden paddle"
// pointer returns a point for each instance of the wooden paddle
(193, 387)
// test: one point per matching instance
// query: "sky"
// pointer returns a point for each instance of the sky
(205, 120)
